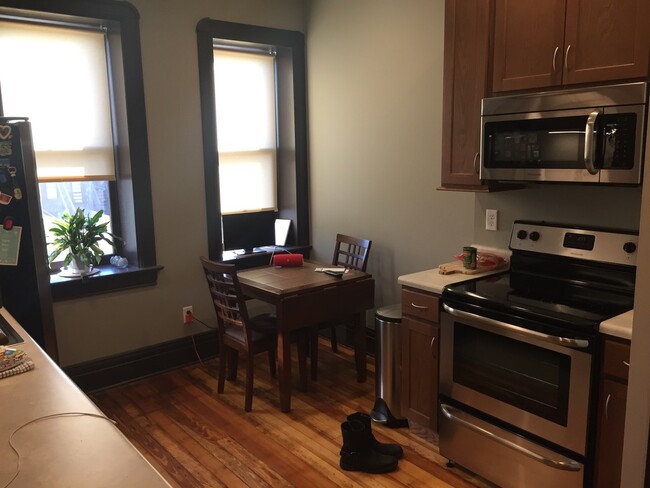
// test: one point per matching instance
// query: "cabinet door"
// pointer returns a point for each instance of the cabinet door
(528, 44)
(606, 40)
(465, 83)
(420, 372)
(611, 424)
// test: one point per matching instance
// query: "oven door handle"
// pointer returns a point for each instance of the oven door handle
(498, 325)
(565, 464)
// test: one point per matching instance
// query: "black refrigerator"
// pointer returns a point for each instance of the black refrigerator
(24, 271)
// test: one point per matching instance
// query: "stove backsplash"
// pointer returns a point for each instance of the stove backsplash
(617, 207)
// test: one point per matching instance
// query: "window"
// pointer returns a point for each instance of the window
(74, 68)
(267, 170)
(244, 86)
(70, 114)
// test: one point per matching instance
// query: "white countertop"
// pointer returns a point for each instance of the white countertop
(62, 450)
(619, 326)
(431, 280)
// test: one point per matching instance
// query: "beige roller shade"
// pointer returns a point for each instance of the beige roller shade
(57, 76)
(246, 130)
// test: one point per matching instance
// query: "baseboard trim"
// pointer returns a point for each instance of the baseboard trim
(106, 372)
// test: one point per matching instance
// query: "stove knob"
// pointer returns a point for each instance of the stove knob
(534, 236)
(522, 234)
(629, 247)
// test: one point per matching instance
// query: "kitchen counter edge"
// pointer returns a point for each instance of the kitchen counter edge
(61, 436)
(431, 279)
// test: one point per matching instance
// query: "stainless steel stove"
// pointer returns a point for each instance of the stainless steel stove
(519, 351)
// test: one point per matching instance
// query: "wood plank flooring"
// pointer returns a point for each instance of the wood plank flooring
(196, 438)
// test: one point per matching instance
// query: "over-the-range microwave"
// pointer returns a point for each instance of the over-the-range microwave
(586, 135)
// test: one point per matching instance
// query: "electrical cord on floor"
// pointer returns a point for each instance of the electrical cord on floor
(46, 417)
(196, 350)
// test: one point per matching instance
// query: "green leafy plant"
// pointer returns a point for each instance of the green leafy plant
(80, 235)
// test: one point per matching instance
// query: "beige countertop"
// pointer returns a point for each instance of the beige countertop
(619, 326)
(61, 450)
(431, 280)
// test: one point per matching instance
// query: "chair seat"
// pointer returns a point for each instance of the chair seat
(262, 327)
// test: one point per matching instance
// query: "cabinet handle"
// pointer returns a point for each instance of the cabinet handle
(626, 364)
(433, 340)
(566, 58)
(476, 160)
(419, 307)
(557, 48)
(609, 397)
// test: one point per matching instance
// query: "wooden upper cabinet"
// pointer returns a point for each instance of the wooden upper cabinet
(563, 42)
(528, 44)
(465, 83)
(606, 40)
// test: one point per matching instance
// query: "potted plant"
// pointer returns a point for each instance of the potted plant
(80, 235)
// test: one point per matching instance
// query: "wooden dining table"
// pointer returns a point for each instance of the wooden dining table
(305, 297)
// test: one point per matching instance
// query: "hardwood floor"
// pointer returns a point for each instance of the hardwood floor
(196, 438)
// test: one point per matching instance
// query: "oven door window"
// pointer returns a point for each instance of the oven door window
(528, 377)
(549, 143)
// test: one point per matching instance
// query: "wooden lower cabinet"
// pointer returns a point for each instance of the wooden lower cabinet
(420, 335)
(611, 413)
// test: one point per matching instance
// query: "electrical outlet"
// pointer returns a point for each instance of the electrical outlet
(188, 313)
(491, 219)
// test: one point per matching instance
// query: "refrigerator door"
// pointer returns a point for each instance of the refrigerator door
(24, 279)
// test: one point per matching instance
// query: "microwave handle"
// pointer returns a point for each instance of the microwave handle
(590, 142)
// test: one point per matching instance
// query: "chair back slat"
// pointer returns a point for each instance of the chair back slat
(227, 297)
(351, 252)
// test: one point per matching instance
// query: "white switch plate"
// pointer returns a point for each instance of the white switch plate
(491, 219)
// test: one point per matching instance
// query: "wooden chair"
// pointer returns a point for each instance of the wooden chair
(237, 331)
(349, 252)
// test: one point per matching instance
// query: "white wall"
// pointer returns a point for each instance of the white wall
(375, 103)
(117, 322)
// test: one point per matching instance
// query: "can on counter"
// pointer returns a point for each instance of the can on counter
(469, 257)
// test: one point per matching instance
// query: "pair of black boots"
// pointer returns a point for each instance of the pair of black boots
(362, 452)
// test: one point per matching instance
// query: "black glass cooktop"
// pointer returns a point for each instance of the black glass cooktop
(552, 302)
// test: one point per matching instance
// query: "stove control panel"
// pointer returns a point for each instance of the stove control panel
(607, 246)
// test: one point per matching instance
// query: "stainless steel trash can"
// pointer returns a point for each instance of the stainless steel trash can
(387, 358)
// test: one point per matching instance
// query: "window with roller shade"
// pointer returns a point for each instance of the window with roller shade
(86, 106)
(244, 86)
(70, 113)
(268, 170)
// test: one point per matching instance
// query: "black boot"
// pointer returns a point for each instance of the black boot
(357, 453)
(381, 414)
(388, 449)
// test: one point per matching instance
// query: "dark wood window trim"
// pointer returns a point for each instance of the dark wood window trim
(133, 185)
(293, 194)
